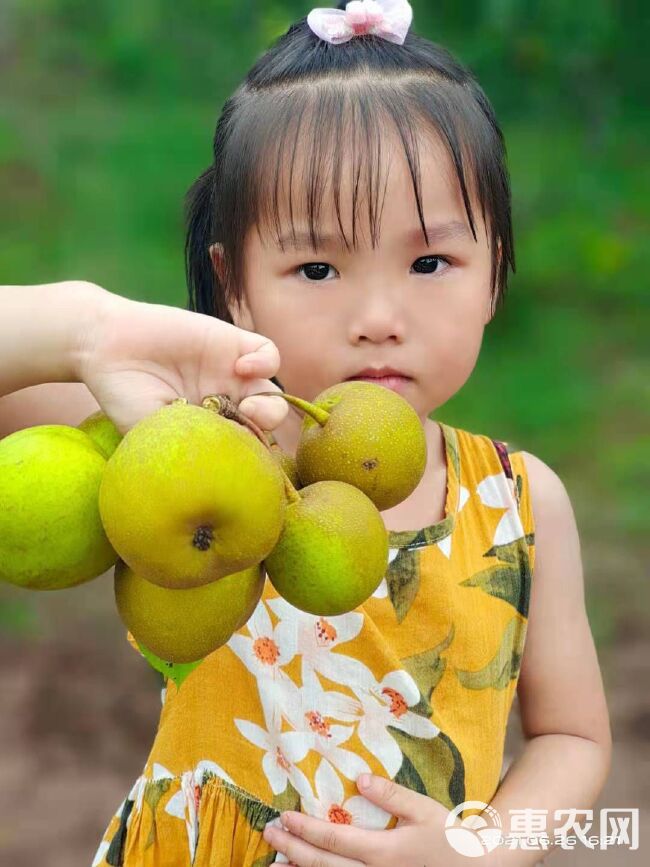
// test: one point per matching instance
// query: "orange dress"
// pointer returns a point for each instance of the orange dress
(415, 685)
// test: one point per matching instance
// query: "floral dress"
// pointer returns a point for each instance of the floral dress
(415, 685)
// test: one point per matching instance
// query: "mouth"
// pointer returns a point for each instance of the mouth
(388, 377)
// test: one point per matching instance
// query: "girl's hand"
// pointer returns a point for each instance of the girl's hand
(135, 357)
(417, 839)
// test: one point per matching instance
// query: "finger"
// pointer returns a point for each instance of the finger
(304, 854)
(266, 411)
(345, 840)
(259, 356)
(395, 799)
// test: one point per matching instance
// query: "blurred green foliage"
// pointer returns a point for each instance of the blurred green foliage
(107, 111)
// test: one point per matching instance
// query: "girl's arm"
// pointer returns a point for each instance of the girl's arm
(127, 357)
(564, 713)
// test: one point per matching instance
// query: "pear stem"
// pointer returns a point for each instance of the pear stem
(316, 412)
(223, 405)
(292, 494)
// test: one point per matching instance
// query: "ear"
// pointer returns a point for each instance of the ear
(239, 312)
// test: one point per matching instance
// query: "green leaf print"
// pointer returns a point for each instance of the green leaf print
(287, 800)
(408, 777)
(435, 764)
(176, 671)
(510, 581)
(504, 665)
(403, 580)
(426, 669)
(265, 860)
(153, 792)
(452, 445)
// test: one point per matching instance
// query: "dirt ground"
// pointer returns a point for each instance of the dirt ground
(80, 707)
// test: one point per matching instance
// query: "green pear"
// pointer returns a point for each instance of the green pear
(364, 434)
(286, 461)
(102, 432)
(190, 496)
(333, 550)
(51, 534)
(186, 625)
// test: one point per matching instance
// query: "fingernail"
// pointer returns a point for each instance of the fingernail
(364, 781)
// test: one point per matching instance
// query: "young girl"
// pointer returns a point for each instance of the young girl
(357, 213)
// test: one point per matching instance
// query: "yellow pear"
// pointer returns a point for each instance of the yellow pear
(364, 434)
(51, 534)
(186, 625)
(102, 432)
(189, 496)
(333, 550)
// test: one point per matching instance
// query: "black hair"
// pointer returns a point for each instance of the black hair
(339, 100)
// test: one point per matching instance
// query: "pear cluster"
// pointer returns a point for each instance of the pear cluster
(195, 505)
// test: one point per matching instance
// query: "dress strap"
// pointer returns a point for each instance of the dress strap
(504, 457)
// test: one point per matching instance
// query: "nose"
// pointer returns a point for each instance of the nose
(378, 314)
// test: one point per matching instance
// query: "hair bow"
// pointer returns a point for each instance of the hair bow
(389, 19)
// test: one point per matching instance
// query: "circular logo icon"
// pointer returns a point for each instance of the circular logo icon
(477, 834)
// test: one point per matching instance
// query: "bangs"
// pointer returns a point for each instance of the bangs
(290, 154)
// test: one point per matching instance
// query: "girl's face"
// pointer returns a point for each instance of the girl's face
(421, 310)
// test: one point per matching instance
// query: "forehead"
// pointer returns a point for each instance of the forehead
(359, 198)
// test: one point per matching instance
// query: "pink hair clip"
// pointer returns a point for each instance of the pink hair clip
(389, 19)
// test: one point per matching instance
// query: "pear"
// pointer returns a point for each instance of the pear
(51, 534)
(333, 550)
(364, 434)
(286, 461)
(186, 625)
(190, 496)
(102, 432)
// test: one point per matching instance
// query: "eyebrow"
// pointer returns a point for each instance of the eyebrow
(437, 232)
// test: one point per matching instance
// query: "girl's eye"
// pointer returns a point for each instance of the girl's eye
(318, 271)
(429, 264)
(315, 271)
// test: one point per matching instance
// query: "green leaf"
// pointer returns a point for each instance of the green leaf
(265, 860)
(287, 800)
(452, 444)
(407, 776)
(504, 665)
(403, 580)
(176, 671)
(426, 669)
(510, 582)
(153, 792)
(433, 763)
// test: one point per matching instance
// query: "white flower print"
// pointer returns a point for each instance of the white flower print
(185, 803)
(315, 638)
(310, 711)
(387, 704)
(330, 806)
(497, 492)
(281, 749)
(101, 852)
(265, 652)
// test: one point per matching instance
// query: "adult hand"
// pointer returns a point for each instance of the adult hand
(136, 357)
